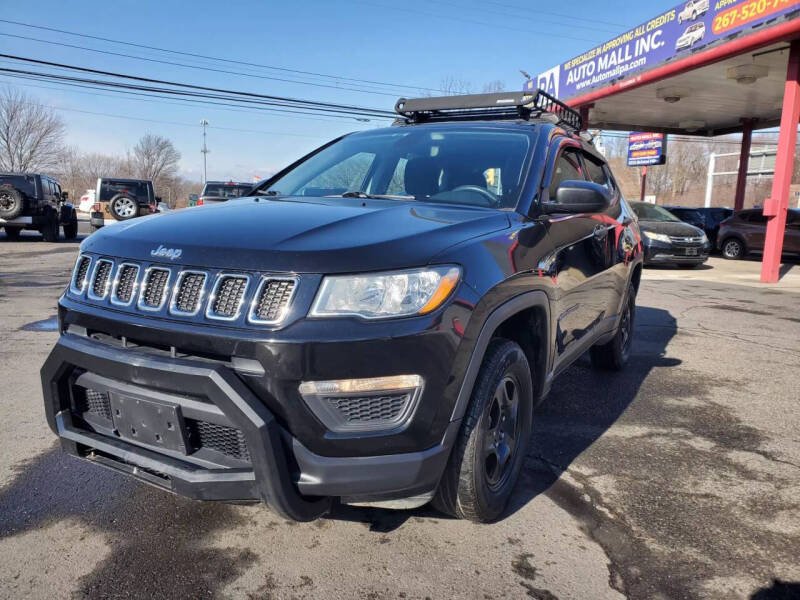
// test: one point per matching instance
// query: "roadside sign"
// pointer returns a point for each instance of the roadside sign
(645, 149)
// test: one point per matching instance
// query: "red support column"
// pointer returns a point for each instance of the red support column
(584, 111)
(777, 204)
(644, 183)
(744, 164)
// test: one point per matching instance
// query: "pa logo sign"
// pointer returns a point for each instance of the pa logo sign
(548, 81)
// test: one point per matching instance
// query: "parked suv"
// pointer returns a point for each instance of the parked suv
(221, 191)
(122, 199)
(35, 201)
(706, 218)
(374, 326)
(746, 231)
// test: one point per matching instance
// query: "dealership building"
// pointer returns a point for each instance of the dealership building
(703, 68)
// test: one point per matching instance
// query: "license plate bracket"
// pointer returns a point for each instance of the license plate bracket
(691, 251)
(148, 422)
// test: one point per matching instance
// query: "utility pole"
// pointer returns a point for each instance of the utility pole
(204, 123)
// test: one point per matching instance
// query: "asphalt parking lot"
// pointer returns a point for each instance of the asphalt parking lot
(679, 478)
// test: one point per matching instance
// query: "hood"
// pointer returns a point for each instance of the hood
(674, 228)
(303, 235)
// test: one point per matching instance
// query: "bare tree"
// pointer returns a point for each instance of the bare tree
(155, 157)
(31, 135)
(492, 87)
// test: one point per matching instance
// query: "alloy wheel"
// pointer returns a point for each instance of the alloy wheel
(125, 207)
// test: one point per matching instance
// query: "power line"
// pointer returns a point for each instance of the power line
(555, 14)
(202, 68)
(196, 90)
(181, 124)
(184, 102)
(219, 59)
(451, 17)
(570, 24)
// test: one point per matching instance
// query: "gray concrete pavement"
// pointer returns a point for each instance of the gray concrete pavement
(679, 478)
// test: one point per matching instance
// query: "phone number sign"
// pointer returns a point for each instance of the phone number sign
(646, 149)
(674, 33)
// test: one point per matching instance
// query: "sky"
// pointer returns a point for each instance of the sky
(411, 46)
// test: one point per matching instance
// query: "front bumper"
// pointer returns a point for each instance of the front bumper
(663, 253)
(281, 470)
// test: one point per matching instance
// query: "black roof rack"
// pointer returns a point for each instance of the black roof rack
(478, 107)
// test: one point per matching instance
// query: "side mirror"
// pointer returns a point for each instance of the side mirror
(574, 196)
(64, 196)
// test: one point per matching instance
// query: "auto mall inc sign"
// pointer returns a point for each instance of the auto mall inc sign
(668, 36)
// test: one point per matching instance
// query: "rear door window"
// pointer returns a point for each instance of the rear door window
(137, 189)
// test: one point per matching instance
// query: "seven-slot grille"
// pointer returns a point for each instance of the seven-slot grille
(101, 279)
(81, 271)
(228, 297)
(154, 288)
(189, 293)
(125, 286)
(149, 288)
(272, 300)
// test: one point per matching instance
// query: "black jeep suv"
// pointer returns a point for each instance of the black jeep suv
(35, 201)
(374, 325)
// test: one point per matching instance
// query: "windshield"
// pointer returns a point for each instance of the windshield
(469, 166)
(226, 190)
(651, 212)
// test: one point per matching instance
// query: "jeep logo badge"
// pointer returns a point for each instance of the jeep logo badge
(170, 253)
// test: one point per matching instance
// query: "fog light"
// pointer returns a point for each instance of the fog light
(361, 405)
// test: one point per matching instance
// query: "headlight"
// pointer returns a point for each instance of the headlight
(659, 237)
(704, 239)
(385, 295)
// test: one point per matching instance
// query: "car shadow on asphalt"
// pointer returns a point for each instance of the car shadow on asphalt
(584, 403)
(150, 536)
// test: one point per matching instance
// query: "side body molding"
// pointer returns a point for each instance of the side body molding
(511, 307)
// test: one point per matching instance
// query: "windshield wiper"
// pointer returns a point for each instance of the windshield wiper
(376, 196)
(268, 193)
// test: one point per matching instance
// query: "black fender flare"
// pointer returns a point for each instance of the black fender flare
(534, 298)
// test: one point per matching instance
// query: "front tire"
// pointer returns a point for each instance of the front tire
(484, 465)
(733, 249)
(613, 355)
(50, 228)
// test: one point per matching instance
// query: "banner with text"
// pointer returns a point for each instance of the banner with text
(645, 149)
(670, 35)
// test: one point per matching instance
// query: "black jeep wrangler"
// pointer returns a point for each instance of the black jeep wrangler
(34, 201)
(374, 325)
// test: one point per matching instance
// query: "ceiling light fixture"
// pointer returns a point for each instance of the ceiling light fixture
(747, 74)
